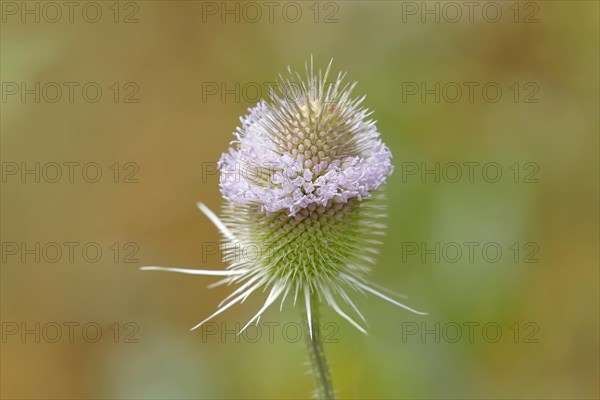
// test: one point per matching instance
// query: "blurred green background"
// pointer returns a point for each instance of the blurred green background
(170, 54)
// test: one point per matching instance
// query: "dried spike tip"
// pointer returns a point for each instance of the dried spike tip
(303, 184)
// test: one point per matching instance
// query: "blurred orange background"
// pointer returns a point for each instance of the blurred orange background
(156, 118)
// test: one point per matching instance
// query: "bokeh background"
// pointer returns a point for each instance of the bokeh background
(175, 127)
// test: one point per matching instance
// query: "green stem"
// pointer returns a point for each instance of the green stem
(316, 354)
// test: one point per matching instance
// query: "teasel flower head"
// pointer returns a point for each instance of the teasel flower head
(303, 188)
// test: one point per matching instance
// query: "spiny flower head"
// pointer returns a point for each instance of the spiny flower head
(302, 184)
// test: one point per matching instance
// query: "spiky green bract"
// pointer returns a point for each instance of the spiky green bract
(322, 249)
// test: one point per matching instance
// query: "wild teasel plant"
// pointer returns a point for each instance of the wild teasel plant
(303, 182)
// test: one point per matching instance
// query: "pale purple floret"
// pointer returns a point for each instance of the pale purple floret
(290, 181)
